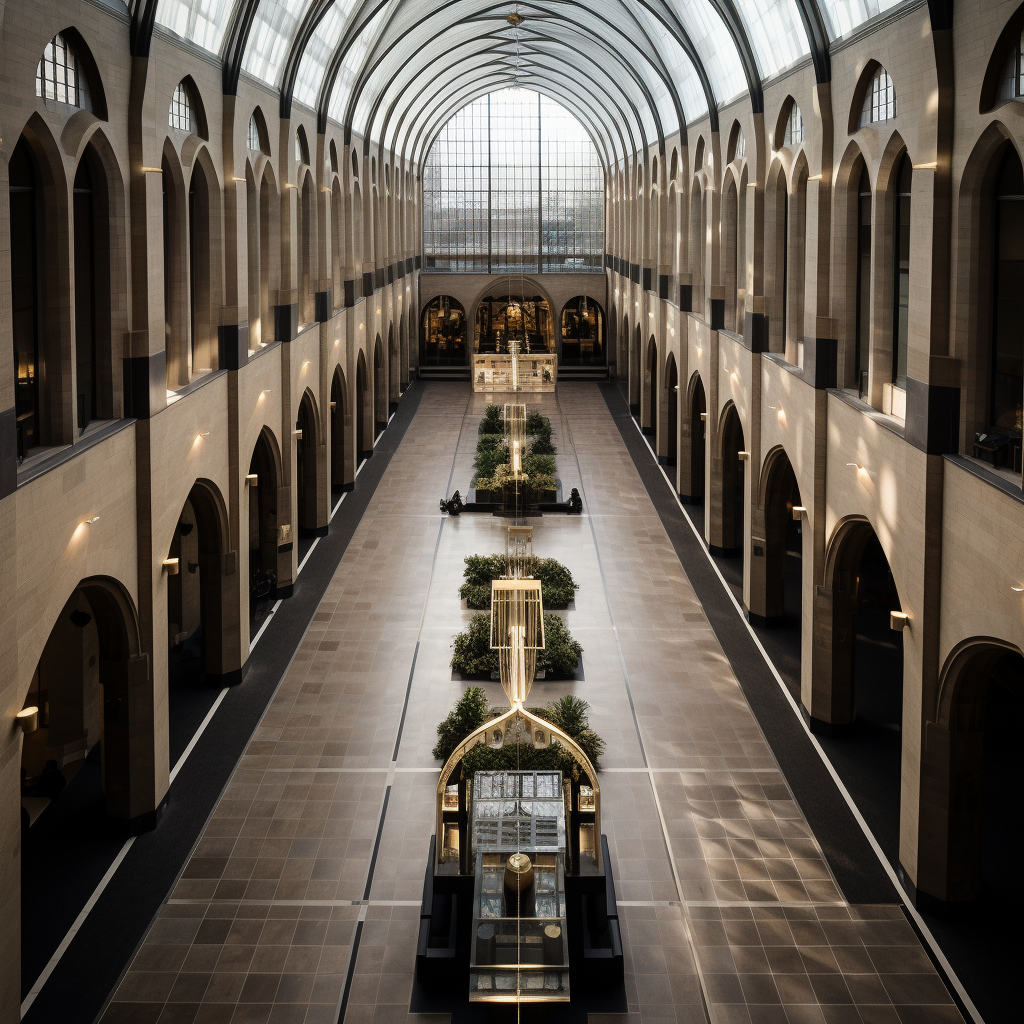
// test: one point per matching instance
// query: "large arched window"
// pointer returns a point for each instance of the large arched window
(1007, 373)
(513, 183)
(863, 282)
(901, 273)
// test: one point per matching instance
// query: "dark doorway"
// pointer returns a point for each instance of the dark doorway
(443, 333)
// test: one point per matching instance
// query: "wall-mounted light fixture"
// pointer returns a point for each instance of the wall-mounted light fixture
(814, 177)
(252, 479)
(743, 456)
(930, 166)
(799, 512)
(28, 719)
(899, 621)
(1017, 590)
(171, 566)
(89, 522)
(334, 405)
(337, 341)
(703, 417)
(297, 434)
(152, 170)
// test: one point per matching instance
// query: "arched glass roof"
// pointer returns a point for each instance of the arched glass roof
(635, 71)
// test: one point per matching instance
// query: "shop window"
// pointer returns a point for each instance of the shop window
(180, 114)
(879, 100)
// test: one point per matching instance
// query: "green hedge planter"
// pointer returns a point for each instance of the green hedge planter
(474, 659)
(557, 586)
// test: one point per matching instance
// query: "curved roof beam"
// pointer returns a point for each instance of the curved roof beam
(730, 16)
(670, 20)
(479, 15)
(141, 31)
(495, 35)
(480, 87)
(549, 88)
(235, 39)
(406, 85)
(428, 132)
(504, 75)
(817, 39)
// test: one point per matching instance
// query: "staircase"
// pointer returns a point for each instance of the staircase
(590, 374)
(443, 373)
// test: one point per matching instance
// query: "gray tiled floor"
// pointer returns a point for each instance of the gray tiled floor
(725, 896)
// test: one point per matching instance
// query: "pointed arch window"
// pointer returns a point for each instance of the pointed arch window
(57, 74)
(180, 114)
(254, 135)
(1011, 83)
(879, 99)
(741, 146)
(794, 135)
(901, 273)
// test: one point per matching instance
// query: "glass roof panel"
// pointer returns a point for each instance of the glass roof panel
(776, 33)
(352, 63)
(843, 16)
(680, 67)
(407, 57)
(321, 45)
(273, 29)
(714, 46)
(202, 22)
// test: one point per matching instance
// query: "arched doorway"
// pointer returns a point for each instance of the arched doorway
(971, 813)
(634, 372)
(443, 333)
(857, 685)
(523, 318)
(727, 499)
(364, 412)
(691, 464)
(583, 341)
(672, 419)
(394, 373)
(196, 606)
(307, 470)
(342, 473)
(649, 410)
(263, 527)
(775, 590)
(90, 759)
(380, 390)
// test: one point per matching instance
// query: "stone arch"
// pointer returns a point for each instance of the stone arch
(380, 388)
(848, 265)
(100, 273)
(730, 249)
(970, 755)
(43, 339)
(649, 400)
(776, 219)
(692, 444)
(342, 452)
(306, 237)
(261, 130)
(204, 266)
(95, 679)
(268, 527)
(774, 534)
(728, 499)
(671, 418)
(394, 373)
(310, 469)
(363, 411)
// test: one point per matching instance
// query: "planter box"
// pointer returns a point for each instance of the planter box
(546, 676)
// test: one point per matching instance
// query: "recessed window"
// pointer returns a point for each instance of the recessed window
(254, 135)
(1011, 82)
(180, 114)
(879, 100)
(794, 127)
(57, 76)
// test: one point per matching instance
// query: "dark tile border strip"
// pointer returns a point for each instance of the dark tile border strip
(861, 877)
(91, 968)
